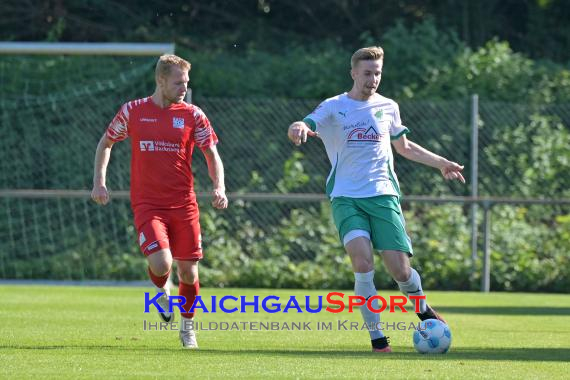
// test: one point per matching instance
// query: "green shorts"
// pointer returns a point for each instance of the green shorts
(381, 216)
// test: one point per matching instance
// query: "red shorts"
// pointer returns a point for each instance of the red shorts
(177, 229)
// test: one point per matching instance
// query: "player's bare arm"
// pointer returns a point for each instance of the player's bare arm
(298, 132)
(415, 152)
(216, 172)
(102, 155)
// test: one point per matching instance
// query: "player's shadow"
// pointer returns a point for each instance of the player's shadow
(503, 310)
(478, 353)
(459, 354)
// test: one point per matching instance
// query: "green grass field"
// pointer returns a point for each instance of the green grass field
(97, 332)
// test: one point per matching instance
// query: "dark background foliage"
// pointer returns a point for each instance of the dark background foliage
(250, 58)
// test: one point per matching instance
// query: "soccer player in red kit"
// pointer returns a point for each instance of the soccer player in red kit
(163, 131)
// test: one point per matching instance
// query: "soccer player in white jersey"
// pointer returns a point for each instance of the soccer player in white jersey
(357, 129)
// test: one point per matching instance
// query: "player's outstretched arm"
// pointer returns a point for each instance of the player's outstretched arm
(216, 173)
(102, 155)
(298, 132)
(415, 152)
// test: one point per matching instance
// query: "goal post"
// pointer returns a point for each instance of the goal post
(56, 100)
(87, 48)
(124, 49)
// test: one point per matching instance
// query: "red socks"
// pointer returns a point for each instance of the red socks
(189, 291)
(159, 281)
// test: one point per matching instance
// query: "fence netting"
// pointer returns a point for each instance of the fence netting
(54, 110)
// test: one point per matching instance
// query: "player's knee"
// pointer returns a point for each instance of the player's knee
(362, 264)
(160, 268)
(188, 275)
(160, 262)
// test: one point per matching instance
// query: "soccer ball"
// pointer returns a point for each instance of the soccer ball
(432, 337)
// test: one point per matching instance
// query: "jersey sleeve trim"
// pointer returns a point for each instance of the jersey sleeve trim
(211, 144)
(404, 132)
(311, 123)
(118, 129)
(204, 134)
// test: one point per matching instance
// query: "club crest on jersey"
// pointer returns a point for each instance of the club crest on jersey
(178, 122)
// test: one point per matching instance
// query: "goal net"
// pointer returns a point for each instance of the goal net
(55, 103)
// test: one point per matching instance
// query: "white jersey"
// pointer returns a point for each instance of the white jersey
(357, 137)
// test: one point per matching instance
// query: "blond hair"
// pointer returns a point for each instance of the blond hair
(167, 61)
(372, 53)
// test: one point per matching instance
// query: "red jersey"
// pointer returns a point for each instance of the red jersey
(162, 141)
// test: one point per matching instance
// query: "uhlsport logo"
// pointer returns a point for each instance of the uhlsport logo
(178, 122)
(146, 146)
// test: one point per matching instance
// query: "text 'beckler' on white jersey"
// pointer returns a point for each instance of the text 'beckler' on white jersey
(357, 138)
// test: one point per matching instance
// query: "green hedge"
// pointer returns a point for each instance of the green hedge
(528, 253)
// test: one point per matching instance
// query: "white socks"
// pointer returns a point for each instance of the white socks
(413, 287)
(364, 286)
